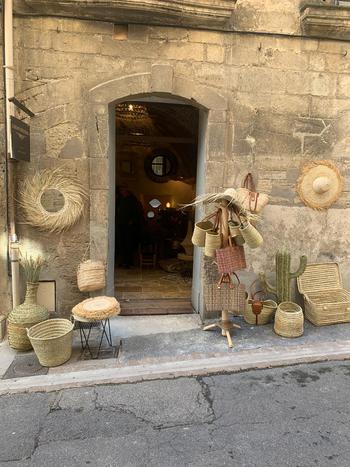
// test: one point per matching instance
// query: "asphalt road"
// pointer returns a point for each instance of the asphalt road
(295, 416)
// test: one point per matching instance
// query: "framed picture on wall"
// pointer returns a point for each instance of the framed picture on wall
(126, 167)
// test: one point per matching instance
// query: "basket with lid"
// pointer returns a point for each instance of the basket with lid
(326, 302)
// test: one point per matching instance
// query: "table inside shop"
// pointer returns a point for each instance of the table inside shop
(85, 325)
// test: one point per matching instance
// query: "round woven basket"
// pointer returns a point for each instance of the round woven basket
(200, 229)
(97, 308)
(52, 341)
(266, 315)
(289, 320)
(91, 276)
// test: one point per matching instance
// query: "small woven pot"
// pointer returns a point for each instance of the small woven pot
(91, 276)
(266, 315)
(289, 320)
(52, 341)
(251, 235)
(200, 229)
(212, 243)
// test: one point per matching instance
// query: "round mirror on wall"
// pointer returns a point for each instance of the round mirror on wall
(161, 166)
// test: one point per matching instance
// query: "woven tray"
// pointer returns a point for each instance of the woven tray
(97, 308)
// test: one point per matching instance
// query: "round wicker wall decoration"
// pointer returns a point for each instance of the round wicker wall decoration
(67, 196)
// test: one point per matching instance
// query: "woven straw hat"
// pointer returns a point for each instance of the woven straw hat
(320, 184)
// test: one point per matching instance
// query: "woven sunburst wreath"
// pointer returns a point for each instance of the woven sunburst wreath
(30, 199)
(320, 184)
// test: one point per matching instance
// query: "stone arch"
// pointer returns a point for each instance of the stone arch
(160, 81)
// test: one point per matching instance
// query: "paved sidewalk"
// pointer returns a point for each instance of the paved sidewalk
(172, 346)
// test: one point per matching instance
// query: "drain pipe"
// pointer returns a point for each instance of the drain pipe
(9, 82)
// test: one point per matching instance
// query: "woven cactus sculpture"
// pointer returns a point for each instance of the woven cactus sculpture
(282, 290)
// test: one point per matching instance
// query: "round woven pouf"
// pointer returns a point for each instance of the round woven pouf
(289, 320)
(97, 308)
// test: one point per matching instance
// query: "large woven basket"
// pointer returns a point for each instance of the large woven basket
(326, 302)
(52, 341)
(97, 308)
(289, 320)
(266, 316)
(91, 276)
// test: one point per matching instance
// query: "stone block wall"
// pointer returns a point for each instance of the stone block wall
(284, 100)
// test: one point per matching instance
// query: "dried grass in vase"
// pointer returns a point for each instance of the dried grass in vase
(32, 267)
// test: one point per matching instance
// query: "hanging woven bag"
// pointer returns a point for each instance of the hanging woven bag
(251, 200)
(200, 230)
(213, 238)
(91, 275)
(230, 297)
(251, 235)
(230, 258)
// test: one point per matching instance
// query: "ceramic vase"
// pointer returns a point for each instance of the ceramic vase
(23, 316)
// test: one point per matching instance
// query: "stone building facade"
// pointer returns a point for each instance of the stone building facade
(274, 93)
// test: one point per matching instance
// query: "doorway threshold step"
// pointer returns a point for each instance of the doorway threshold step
(157, 306)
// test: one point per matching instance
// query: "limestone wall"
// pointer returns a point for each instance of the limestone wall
(288, 101)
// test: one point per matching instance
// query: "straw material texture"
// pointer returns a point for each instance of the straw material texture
(266, 316)
(251, 235)
(52, 341)
(97, 308)
(36, 215)
(213, 241)
(326, 302)
(289, 320)
(91, 276)
(320, 184)
(200, 229)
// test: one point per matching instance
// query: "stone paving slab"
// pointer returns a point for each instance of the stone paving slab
(197, 343)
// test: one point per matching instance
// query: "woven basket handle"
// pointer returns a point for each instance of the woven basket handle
(92, 242)
(248, 182)
(234, 274)
(209, 216)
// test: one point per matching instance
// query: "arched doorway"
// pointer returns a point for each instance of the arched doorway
(156, 175)
(213, 140)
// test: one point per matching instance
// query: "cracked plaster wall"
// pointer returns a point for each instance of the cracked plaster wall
(288, 102)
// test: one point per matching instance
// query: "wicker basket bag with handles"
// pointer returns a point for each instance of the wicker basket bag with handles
(252, 200)
(91, 274)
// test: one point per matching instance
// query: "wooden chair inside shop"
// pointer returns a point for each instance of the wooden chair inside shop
(224, 323)
(148, 255)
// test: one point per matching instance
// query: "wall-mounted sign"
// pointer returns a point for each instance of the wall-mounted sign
(20, 133)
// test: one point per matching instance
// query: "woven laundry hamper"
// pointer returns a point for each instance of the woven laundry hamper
(52, 341)
(326, 302)
(289, 320)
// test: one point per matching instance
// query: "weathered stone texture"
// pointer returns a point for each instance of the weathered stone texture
(274, 103)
